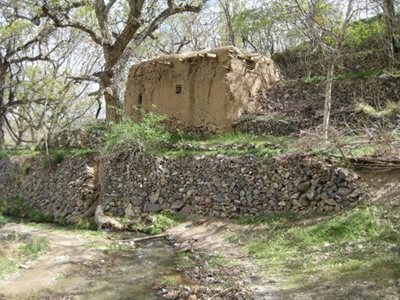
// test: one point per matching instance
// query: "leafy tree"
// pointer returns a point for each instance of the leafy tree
(24, 40)
(117, 27)
(325, 23)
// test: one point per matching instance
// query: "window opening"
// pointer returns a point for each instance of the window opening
(178, 89)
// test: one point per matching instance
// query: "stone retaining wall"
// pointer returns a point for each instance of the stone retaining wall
(212, 186)
(66, 191)
(224, 186)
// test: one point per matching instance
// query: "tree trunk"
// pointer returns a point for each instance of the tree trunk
(389, 11)
(3, 71)
(2, 133)
(226, 6)
(114, 109)
(328, 100)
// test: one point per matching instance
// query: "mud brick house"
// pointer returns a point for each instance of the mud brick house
(208, 89)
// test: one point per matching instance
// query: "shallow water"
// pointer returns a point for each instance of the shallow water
(128, 274)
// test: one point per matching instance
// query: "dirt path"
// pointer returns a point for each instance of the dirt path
(210, 239)
(67, 252)
(82, 266)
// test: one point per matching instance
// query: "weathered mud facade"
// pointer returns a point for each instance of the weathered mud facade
(207, 89)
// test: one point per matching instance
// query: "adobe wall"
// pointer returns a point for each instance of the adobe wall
(208, 89)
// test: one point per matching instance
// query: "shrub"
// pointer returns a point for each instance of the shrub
(54, 158)
(366, 34)
(148, 134)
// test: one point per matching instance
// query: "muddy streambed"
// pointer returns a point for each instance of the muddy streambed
(80, 266)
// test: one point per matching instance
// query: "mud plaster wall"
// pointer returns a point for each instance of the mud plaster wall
(205, 89)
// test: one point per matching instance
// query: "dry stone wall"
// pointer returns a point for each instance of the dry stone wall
(223, 186)
(128, 184)
(66, 191)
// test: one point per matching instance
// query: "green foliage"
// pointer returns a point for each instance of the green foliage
(18, 208)
(18, 152)
(80, 152)
(161, 223)
(313, 79)
(18, 27)
(86, 224)
(280, 218)
(332, 246)
(170, 280)
(366, 33)
(33, 248)
(54, 158)
(148, 134)
(7, 266)
(4, 219)
(231, 144)
(186, 260)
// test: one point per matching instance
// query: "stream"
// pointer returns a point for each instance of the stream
(78, 267)
(127, 274)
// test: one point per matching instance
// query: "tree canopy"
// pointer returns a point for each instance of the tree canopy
(62, 60)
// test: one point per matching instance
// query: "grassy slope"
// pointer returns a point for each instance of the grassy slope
(305, 252)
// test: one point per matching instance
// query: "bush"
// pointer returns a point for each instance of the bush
(54, 158)
(366, 34)
(148, 134)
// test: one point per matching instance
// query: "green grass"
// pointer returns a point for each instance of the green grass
(161, 223)
(360, 243)
(189, 260)
(18, 153)
(7, 266)
(27, 250)
(170, 280)
(233, 138)
(54, 158)
(4, 219)
(232, 144)
(149, 134)
(16, 207)
(34, 248)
